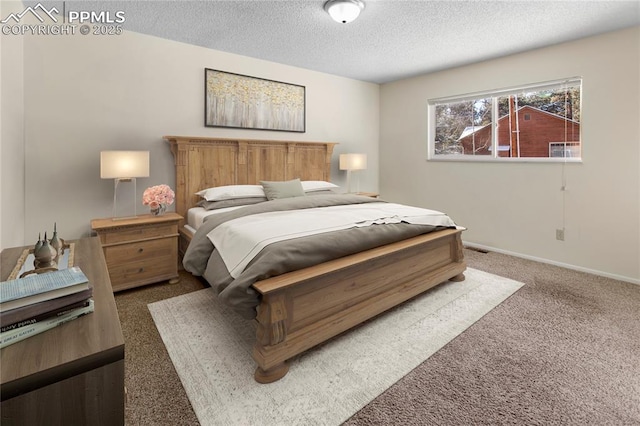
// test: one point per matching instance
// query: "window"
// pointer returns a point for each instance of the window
(536, 123)
(564, 149)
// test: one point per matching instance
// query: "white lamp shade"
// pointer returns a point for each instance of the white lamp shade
(353, 161)
(344, 11)
(124, 164)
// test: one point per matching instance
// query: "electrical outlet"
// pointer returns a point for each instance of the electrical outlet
(560, 234)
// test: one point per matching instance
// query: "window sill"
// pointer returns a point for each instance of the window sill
(487, 159)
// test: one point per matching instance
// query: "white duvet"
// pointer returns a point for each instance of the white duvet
(238, 241)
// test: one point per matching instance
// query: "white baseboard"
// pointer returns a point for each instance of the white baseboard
(553, 262)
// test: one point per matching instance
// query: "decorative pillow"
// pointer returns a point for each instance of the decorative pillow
(214, 205)
(229, 192)
(317, 185)
(282, 189)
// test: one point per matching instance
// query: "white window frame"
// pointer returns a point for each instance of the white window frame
(495, 94)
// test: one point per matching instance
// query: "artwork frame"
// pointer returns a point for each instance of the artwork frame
(245, 102)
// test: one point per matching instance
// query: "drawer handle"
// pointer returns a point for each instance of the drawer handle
(140, 250)
(141, 270)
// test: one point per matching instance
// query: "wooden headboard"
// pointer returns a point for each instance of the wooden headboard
(207, 162)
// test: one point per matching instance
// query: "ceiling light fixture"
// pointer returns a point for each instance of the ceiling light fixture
(344, 11)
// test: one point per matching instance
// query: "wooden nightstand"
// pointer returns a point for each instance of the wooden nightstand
(369, 194)
(140, 251)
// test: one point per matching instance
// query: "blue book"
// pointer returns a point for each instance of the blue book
(41, 287)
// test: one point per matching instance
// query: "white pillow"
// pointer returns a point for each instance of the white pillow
(229, 192)
(317, 185)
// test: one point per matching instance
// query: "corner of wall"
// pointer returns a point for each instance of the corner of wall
(12, 194)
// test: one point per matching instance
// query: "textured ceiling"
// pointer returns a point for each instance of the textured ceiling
(392, 39)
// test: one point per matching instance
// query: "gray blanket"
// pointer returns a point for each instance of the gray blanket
(278, 258)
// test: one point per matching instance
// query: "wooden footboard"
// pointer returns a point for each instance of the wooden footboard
(301, 309)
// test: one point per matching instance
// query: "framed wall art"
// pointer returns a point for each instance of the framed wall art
(245, 102)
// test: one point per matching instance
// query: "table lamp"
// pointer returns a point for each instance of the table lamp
(350, 162)
(124, 166)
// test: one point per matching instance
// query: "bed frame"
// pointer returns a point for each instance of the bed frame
(304, 308)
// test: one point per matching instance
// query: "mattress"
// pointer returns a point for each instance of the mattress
(197, 215)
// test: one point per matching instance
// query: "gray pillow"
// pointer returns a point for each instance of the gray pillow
(214, 205)
(282, 189)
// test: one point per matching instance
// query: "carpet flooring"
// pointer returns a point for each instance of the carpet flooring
(211, 351)
(564, 349)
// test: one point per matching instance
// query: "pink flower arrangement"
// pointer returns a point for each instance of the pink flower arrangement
(158, 195)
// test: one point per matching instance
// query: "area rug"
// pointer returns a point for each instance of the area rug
(210, 347)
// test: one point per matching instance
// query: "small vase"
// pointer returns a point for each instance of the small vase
(159, 211)
(44, 257)
(55, 242)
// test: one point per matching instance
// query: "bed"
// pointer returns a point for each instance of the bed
(300, 309)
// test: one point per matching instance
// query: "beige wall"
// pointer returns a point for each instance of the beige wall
(85, 94)
(516, 208)
(12, 194)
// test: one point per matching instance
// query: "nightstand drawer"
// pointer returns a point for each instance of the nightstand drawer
(139, 251)
(140, 232)
(130, 275)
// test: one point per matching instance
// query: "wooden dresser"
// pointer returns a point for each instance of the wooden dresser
(72, 374)
(139, 251)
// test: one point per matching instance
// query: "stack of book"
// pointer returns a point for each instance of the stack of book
(37, 303)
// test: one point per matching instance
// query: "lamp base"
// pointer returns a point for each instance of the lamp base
(115, 199)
